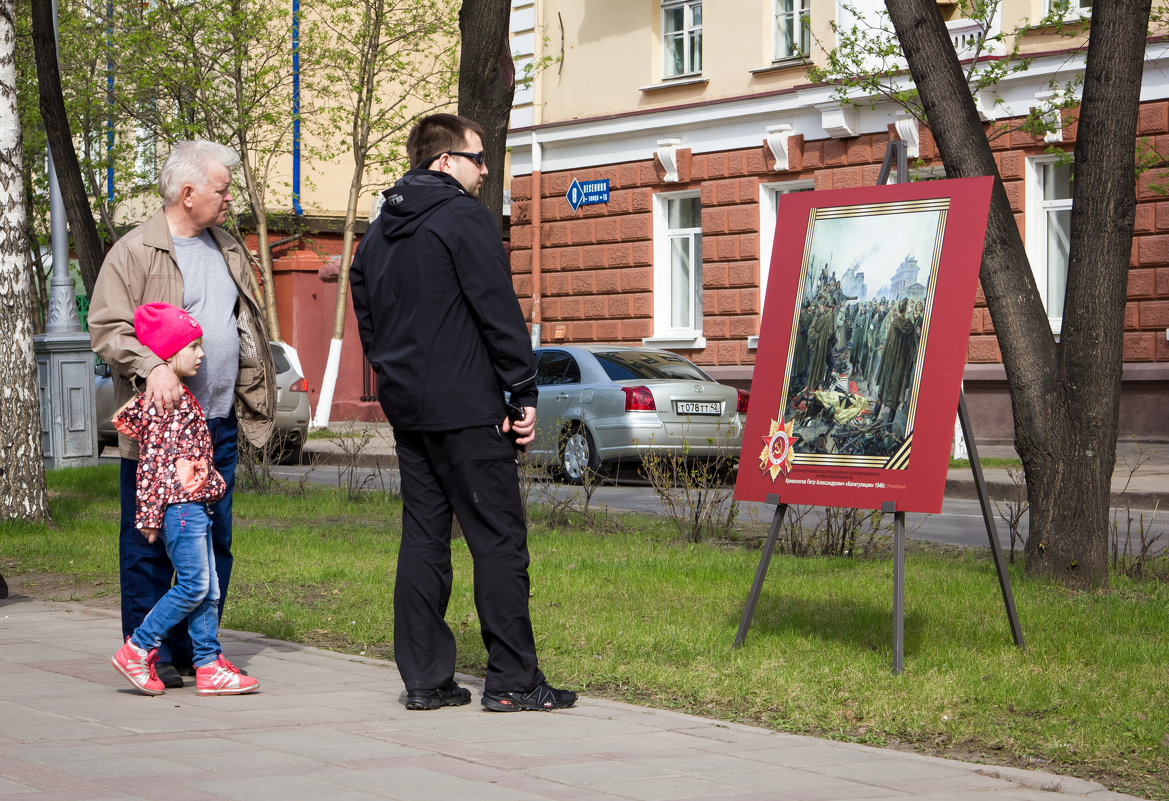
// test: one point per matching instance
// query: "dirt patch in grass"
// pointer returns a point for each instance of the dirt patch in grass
(64, 587)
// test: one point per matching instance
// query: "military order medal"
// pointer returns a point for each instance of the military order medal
(776, 456)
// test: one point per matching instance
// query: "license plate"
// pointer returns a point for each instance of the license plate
(698, 407)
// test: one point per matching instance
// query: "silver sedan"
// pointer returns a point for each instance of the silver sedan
(604, 404)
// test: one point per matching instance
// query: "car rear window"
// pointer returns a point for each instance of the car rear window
(556, 367)
(632, 365)
(280, 360)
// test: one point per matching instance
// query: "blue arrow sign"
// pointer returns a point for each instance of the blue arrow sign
(583, 194)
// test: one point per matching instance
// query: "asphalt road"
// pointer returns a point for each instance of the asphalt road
(959, 523)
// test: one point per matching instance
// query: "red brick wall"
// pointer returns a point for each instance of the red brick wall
(597, 263)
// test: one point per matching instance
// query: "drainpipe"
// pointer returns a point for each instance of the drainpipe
(537, 316)
(296, 108)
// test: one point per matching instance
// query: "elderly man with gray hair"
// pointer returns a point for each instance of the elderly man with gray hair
(182, 257)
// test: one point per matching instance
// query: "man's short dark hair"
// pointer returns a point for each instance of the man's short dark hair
(434, 135)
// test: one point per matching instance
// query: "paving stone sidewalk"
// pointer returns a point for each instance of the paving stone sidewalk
(332, 727)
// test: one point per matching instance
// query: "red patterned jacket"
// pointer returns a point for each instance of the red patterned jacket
(175, 462)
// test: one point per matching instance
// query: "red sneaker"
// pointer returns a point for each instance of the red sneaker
(138, 668)
(223, 678)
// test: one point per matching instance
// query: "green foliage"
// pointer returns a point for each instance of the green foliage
(219, 71)
(867, 65)
(380, 64)
(697, 492)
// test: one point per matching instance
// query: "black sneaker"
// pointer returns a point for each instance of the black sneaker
(450, 695)
(542, 697)
(168, 674)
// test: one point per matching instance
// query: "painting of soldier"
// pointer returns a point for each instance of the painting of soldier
(855, 354)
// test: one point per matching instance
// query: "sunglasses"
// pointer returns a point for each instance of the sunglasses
(478, 158)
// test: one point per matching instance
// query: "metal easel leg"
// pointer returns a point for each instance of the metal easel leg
(760, 574)
(988, 519)
(898, 587)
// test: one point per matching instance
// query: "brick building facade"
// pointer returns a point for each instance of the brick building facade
(591, 278)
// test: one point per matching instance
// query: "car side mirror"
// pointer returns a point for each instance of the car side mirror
(101, 370)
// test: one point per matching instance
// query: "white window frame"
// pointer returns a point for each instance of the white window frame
(666, 334)
(1077, 9)
(1037, 212)
(769, 194)
(801, 38)
(691, 65)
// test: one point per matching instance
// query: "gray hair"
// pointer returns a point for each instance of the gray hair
(187, 164)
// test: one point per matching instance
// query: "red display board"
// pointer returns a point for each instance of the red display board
(862, 345)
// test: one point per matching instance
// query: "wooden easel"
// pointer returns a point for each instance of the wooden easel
(896, 151)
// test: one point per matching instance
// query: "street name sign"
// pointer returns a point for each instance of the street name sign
(587, 192)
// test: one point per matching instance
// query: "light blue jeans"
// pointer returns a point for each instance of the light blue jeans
(186, 531)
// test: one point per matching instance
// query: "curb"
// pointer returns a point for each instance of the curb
(1003, 490)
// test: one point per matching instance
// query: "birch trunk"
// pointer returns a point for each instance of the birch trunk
(22, 467)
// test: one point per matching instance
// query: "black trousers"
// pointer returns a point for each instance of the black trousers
(472, 473)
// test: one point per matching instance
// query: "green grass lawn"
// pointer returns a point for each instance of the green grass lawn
(634, 614)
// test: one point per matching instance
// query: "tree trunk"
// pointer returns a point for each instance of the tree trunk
(267, 297)
(22, 464)
(487, 86)
(1074, 494)
(87, 243)
(1065, 396)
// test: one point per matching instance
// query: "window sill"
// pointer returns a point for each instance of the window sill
(672, 83)
(781, 64)
(696, 342)
(1072, 17)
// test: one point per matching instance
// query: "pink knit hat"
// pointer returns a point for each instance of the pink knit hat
(164, 328)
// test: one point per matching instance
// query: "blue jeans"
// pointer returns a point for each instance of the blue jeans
(145, 568)
(195, 595)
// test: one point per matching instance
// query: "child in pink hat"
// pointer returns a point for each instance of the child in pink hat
(176, 479)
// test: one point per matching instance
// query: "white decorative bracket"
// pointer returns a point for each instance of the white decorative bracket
(777, 136)
(1053, 118)
(668, 157)
(984, 103)
(838, 121)
(910, 133)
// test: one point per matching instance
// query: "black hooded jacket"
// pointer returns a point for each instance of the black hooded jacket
(436, 311)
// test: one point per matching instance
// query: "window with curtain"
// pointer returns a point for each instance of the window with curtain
(682, 38)
(1049, 227)
(678, 268)
(790, 37)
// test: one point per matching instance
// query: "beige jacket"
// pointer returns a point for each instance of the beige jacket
(141, 268)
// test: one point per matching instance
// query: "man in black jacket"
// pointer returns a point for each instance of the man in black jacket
(440, 323)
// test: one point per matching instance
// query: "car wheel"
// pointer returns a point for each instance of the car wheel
(290, 454)
(578, 455)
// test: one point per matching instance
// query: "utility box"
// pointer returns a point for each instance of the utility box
(68, 407)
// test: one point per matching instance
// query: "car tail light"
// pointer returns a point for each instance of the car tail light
(639, 399)
(744, 399)
(299, 385)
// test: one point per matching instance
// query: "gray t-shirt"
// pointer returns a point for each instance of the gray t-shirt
(210, 296)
